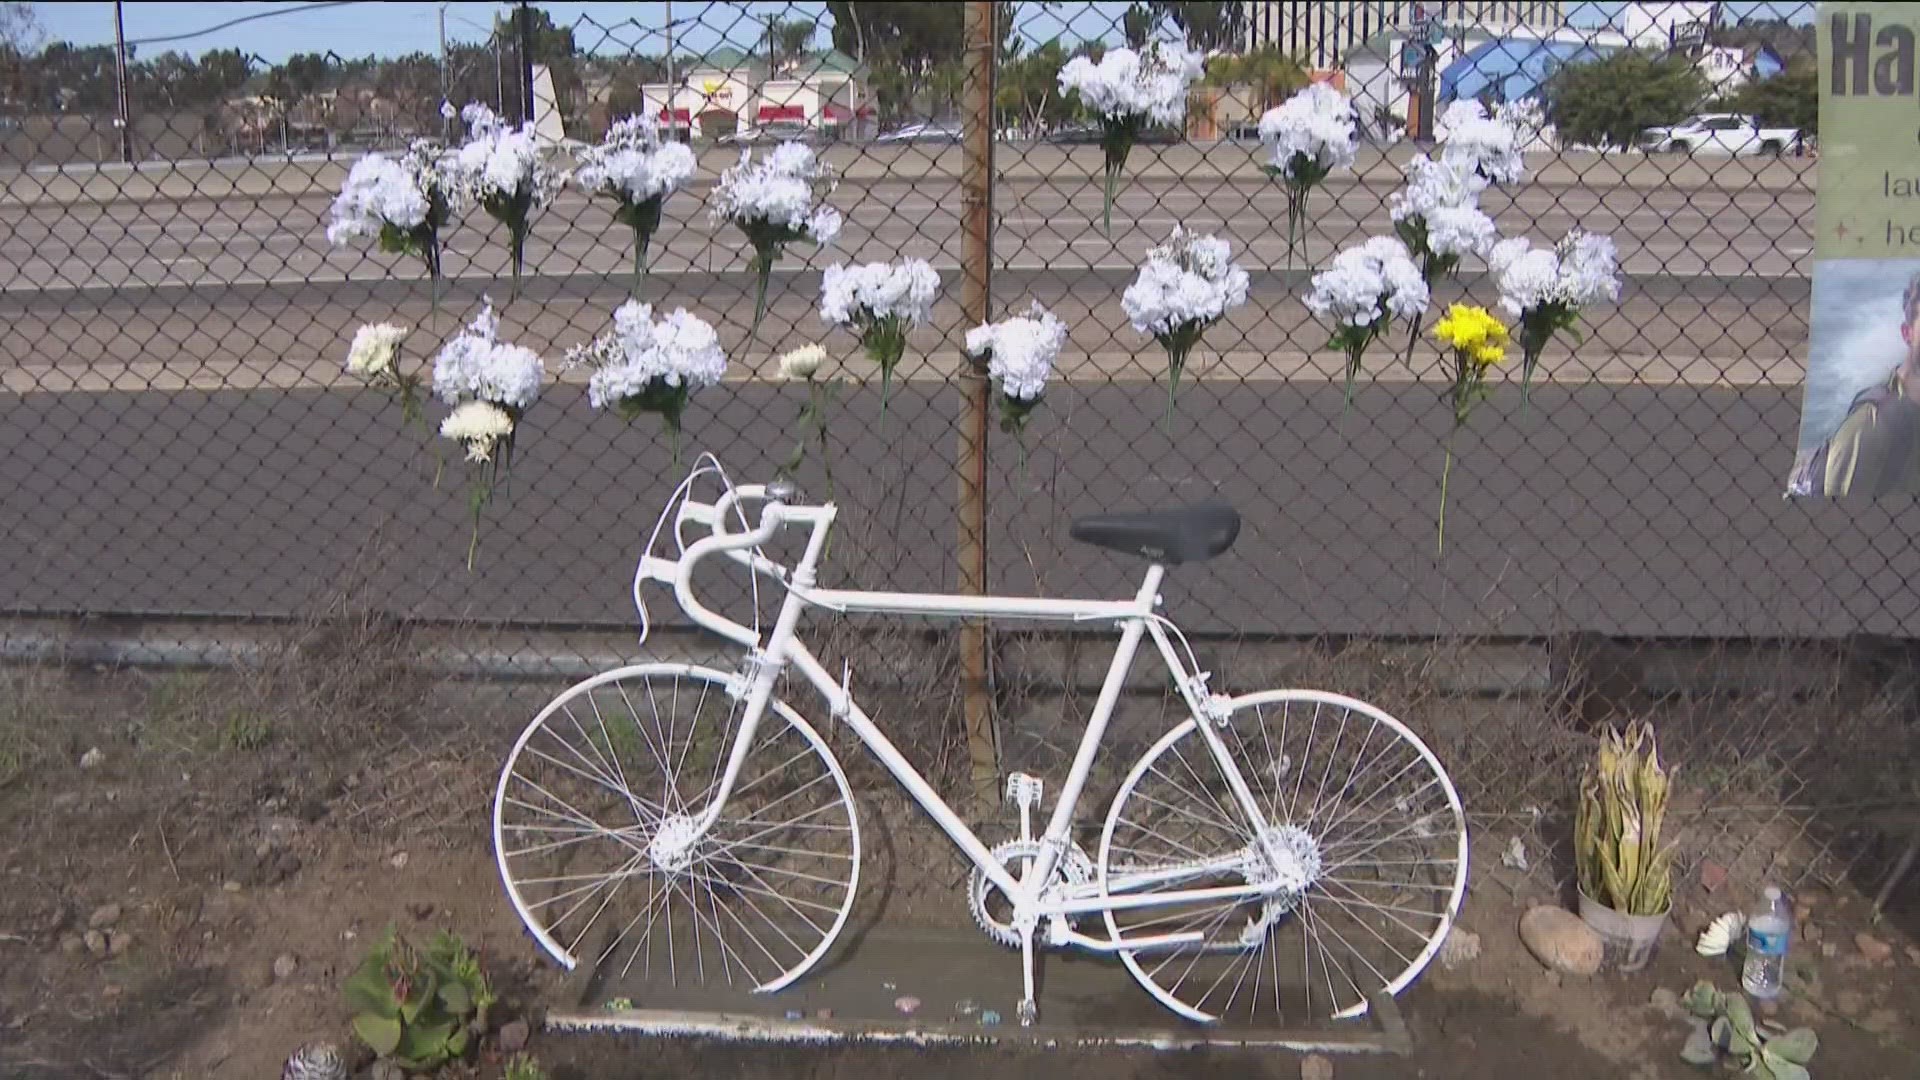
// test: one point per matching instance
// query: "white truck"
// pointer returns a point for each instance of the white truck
(1721, 133)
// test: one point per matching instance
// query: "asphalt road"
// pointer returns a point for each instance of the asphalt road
(1639, 510)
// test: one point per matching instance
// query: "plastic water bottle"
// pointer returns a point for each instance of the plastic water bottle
(1769, 925)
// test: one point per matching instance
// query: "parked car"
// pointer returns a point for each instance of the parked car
(776, 131)
(930, 131)
(1085, 134)
(1721, 133)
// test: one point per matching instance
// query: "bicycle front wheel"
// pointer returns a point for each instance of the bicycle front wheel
(595, 828)
(1347, 889)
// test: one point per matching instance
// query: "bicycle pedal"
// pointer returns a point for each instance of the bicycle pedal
(1024, 790)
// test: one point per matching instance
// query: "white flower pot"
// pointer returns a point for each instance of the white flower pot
(1629, 939)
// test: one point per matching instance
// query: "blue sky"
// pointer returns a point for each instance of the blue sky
(395, 28)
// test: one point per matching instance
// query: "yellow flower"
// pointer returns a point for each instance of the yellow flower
(1473, 331)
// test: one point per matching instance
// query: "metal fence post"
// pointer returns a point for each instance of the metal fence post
(976, 263)
(125, 117)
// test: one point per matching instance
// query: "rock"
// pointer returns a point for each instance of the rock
(284, 966)
(1829, 950)
(1802, 910)
(118, 942)
(231, 886)
(1811, 933)
(1872, 947)
(73, 945)
(1558, 939)
(387, 1070)
(1515, 857)
(96, 942)
(420, 910)
(1459, 948)
(1913, 956)
(1850, 1003)
(263, 850)
(514, 1036)
(1712, 875)
(1666, 1003)
(93, 758)
(398, 861)
(1553, 977)
(1316, 1067)
(103, 917)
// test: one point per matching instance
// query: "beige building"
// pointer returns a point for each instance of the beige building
(1320, 33)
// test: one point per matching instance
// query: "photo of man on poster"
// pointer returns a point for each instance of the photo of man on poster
(1876, 448)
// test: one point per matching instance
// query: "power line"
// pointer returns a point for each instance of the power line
(242, 19)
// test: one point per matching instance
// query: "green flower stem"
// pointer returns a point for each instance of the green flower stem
(762, 267)
(1354, 353)
(1446, 472)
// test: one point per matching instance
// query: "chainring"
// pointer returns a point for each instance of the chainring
(1075, 868)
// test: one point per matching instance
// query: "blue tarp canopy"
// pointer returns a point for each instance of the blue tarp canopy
(1510, 69)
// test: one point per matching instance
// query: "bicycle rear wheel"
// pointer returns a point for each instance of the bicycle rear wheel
(596, 838)
(1360, 871)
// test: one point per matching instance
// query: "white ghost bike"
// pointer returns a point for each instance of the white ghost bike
(688, 828)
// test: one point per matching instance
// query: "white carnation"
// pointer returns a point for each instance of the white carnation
(872, 291)
(1459, 230)
(480, 426)
(784, 189)
(633, 164)
(1191, 279)
(1020, 351)
(1314, 126)
(378, 191)
(803, 363)
(1149, 84)
(375, 353)
(500, 162)
(1433, 185)
(678, 350)
(1364, 283)
(1582, 270)
(475, 366)
(1477, 142)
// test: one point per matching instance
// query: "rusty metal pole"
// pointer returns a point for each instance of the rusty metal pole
(976, 265)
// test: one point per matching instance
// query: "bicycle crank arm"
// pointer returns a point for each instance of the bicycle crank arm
(1066, 935)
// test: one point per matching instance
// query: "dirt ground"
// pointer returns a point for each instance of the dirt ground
(227, 823)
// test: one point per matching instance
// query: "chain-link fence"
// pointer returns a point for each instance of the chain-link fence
(182, 439)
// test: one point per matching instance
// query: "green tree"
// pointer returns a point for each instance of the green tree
(1136, 24)
(787, 41)
(1273, 75)
(1609, 102)
(1789, 99)
(1209, 25)
(903, 44)
(1027, 87)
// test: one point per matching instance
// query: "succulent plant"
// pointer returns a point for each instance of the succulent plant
(1766, 1051)
(419, 1008)
(1616, 831)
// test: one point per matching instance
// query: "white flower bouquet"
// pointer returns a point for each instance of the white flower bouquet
(805, 364)
(1131, 90)
(882, 301)
(776, 201)
(1019, 353)
(1185, 286)
(1307, 137)
(375, 357)
(1361, 292)
(401, 203)
(501, 168)
(1545, 289)
(1489, 145)
(648, 366)
(634, 168)
(1438, 217)
(490, 384)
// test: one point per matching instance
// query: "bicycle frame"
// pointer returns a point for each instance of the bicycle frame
(783, 648)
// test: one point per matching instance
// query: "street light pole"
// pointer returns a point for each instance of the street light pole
(446, 89)
(673, 84)
(125, 119)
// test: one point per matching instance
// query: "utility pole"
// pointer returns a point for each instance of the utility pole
(976, 296)
(673, 85)
(125, 120)
(526, 59)
(446, 88)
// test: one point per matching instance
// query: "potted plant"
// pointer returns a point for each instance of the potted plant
(1625, 875)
